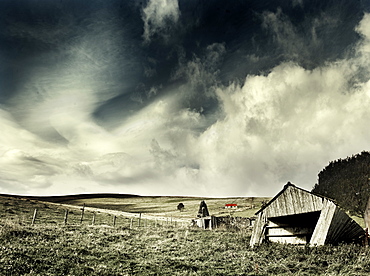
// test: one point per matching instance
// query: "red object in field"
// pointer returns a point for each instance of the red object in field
(231, 205)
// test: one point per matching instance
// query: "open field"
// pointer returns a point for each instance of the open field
(52, 210)
(159, 206)
(72, 250)
(167, 206)
(51, 248)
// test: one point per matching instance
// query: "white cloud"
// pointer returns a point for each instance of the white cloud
(304, 46)
(284, 33)
(287, 125)
(363, 27)
(158, 17)
(284, 126)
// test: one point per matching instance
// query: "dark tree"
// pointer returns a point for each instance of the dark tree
(347, 181)
(180, 207)
(203, 210)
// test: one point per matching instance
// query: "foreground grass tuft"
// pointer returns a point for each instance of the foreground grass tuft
(96, 250)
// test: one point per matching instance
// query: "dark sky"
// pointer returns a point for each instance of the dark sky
(188, 97)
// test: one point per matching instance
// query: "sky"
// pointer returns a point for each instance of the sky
(180, 97)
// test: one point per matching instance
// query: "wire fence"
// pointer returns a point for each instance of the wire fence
(31, 212)
(83, 217)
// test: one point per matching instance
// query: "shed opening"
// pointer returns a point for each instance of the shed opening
(296, 229)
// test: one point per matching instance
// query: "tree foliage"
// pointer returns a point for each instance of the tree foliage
(347, 181)
(180, 207)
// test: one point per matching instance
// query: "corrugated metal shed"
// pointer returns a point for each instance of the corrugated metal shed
(297, 216)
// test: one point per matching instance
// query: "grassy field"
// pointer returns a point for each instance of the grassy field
(167, 206)
(51, 248)
(161, 207)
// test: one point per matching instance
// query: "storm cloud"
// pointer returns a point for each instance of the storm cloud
(207, 98)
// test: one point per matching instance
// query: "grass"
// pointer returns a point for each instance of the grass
(51, 248)
(22, 210)
(87, 250)
(167, 206)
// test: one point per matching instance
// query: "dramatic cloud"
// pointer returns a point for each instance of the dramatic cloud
(186, 98)
(282, 127)
(158, 17)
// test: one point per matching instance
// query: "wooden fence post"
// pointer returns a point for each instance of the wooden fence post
(66, 217)
(114, 221)
(139, 219)
(155, 224)
(82, 213)
(93, 219)
(132, 219)
(34, 216)
(367, 236)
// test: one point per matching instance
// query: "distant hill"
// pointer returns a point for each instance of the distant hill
(162, 206)
(63, 198)
(347, 181)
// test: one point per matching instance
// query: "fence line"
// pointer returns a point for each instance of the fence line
(34, 216)
(93, 219)
(117, 219)
(82, 213)
(66, 217)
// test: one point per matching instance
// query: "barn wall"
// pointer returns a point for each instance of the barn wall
(288, 234)
(294, 201)
(320, 233)
(335, 226)
(296, 229)
(297, 216)
(259, 229)
(343, 228)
